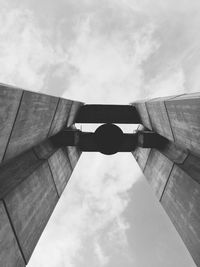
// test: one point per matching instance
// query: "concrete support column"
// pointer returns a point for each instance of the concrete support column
(33, 172)
(174, 170)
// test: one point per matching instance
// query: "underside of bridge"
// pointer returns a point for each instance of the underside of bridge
(40, 146)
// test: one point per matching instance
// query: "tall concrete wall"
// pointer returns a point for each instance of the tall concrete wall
(174, 171)
(33, 173)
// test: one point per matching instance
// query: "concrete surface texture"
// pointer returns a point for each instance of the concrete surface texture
(33, 172)
(174, 171)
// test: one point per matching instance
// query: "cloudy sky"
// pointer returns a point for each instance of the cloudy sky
(104, 51)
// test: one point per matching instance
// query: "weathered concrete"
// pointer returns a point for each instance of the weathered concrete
(143, 114)
(174, 152)
(185, 160)
(184, 117)
(9, 103)
(191, 166)
(177, 118)
(10, 255)
(61, 116)
(73, 112)
(16, 170)
(45, 149)
(61, 169)
(32, 124)
(73, 153)
(181, 200)
(30, 205)
(31, 185)
(141, 155)
(34, 172)
(159, 118)
(157, 171)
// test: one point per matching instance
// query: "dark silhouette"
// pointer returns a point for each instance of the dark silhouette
(108, 139)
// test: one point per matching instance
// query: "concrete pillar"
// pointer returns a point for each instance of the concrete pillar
(174, 171)
(33, 172)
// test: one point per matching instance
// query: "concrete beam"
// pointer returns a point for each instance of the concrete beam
(107, 114)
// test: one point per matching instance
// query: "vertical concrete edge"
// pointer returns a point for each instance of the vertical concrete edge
(166, 183)
(53, 116)
(147, 161)
(53, 178)
(14, 232)
(13, 126)
(169, 120)
(145, 103)
(66, 153)
(68, 115)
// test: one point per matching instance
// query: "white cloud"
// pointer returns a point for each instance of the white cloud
(100, 63)
(26, 55)
(165, 84)
(109, 67)
(101, 52)
(103, 259)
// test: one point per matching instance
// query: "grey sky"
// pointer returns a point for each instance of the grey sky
(104, 52)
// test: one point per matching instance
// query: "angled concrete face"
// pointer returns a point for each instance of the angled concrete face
(61, 116)
(10, 255)
(9, 103)
(184, 117)
(191, 166)
(174, 171)
(75, 107)
(174, 152)
(32, 123)
(34, 172)
(141, 155)
(177, 187)
(16, 170)
(176, 118)
(159, 119)
(61, 169)
(73, 154)
(30, 205)
(143, 114)
(45, 149)
(28, 118)
(181, 200)
(157, 171)
(30, 189)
